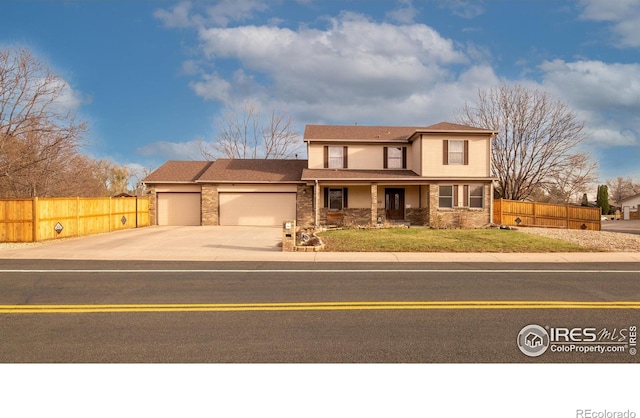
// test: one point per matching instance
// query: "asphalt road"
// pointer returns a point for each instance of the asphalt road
(84, 311)
(625, 227)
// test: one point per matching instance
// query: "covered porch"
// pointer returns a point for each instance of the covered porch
(377, 197)
(357, 204)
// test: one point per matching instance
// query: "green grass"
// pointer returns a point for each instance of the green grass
(442, 240)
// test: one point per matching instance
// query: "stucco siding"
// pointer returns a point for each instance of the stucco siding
(359, 197)
(433, 165)
(256, 188)
(316, 156)
(177, 188)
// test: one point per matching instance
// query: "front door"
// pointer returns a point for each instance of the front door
(394, 203)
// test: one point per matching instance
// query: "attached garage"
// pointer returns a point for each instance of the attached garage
(178, 209)
(260, 209)
(260, 192)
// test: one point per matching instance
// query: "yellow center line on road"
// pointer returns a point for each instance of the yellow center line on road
(314, 306)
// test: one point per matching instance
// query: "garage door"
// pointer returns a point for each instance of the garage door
(178, 209)
(256, 208)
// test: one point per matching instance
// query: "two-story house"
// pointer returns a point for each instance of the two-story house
(438, 175)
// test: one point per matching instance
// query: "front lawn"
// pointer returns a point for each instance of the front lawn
(442, 240)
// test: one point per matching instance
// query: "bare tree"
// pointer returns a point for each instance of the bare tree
(537, 139)
(621, 188)
(577, 177)
(135, 179)
(37, 124)
(278, 136)
(246, 133)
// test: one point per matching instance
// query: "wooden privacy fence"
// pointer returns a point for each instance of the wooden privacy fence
(30, 220)
(511, 212)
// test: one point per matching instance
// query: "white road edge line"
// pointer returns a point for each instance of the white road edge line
(325, 271)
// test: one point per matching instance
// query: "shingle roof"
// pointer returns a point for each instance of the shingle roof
(178, 171)
(357, 132)
(380, 133)
(629, 198)
(448, 126)
(245, 171)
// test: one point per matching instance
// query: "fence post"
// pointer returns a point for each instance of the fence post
(501, 205)
(567, 220)
(34, 218)
(110, 211)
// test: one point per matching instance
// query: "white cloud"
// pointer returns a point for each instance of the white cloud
(595, 84)
(606, 96)
(353, 64)
(623, 14)
(67, 100)
(611, 136)
(424, 106)
(404, 13)
(212, 87)
(190, 68)
(221, 13)
(352, 70)
(178, 17)
(224, 12)
(464, 8)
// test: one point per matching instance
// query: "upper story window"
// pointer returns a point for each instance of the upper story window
(395, 157)
(455, 152)
(335, 157)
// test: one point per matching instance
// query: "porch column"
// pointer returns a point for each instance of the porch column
(316, 204)
(209, 205)
(374, 204)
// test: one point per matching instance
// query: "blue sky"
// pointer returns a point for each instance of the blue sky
(150, 77)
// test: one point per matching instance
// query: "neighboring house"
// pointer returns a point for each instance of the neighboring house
(630, 206)
(438, 175)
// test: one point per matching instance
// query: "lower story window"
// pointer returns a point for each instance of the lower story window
(476, 196)
(446, 196)
(336, 199)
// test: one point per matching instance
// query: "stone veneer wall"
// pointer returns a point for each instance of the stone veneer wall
(417, 216)
(459, 217)
(305, 216)
(346, 217)
(153, 203)
(357, 217)
(209, 205)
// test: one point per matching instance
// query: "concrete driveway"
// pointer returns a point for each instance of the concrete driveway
(229, 243)
(626, 227)
(158, 243)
